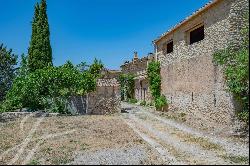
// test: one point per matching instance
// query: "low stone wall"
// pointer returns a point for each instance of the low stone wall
(9, 116)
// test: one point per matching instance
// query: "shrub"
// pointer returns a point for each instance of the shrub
(150, 104)
(132, 101)
(127, 86)
(143, 103)
(161, 102)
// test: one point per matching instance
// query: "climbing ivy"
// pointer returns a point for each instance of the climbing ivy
(235, 64)
(154, 76)
(127, 86)
(153, 72)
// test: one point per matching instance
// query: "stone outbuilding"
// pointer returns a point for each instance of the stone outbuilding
(104, 100)
(138, 67)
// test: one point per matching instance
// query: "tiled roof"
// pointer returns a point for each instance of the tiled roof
(201, 10)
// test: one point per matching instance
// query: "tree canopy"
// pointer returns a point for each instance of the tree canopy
(7, 70)
(40, 51)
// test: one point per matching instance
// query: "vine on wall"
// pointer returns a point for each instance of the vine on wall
(235, 64)
(127, 86)
(154, 76)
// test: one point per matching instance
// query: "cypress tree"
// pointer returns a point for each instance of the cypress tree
(33, 49)
(40, 52)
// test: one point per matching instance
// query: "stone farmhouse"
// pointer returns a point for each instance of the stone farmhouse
(138, 67)
(191, 81)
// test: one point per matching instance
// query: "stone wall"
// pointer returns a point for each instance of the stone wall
(237, 19)
(106, 99)
(190, 79)
(9, 116)
(138, 67)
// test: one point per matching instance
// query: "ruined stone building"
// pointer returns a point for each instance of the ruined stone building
(105, 99)
(138, 67)
(190, 79)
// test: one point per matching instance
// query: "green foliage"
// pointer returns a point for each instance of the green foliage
(235, 63)
(150, 104)
(23, 70)
(127, 86)
(40, 52)
(7, 70)
(49, 88)
(244, 115)
(96, 67)
(143, 103)
(161, 102)
(83, 66)
(153, 72)
(34, 162)
(132, 101)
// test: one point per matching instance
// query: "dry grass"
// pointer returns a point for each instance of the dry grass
(203, 142)
(90, 133)
(179, 117)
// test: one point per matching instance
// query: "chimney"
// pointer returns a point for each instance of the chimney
(135, 56)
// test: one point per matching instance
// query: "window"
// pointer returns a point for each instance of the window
(197, 35)
(170, 47)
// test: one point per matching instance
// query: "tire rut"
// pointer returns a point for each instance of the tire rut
(169, 138)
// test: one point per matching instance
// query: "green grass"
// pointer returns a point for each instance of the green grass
(143, 103)
(236, 159)
(34, 162)
(132, 101)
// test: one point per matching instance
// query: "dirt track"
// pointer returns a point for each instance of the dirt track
(179, 144)
(137, 137)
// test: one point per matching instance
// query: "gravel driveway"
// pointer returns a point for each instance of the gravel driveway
(179, 144)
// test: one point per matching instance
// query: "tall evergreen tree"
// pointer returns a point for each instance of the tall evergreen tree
(40, 52)
(33, 49)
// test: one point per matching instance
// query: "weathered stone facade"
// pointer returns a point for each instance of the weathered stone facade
(104, 100)
(138, 67)
(190, 79)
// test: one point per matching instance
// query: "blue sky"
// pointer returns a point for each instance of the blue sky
(110, 30)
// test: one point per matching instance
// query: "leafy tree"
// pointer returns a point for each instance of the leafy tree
(48, 88)
(23, 70)
(7, 70)
(40, 52)
(83, 66)
(96, 67)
